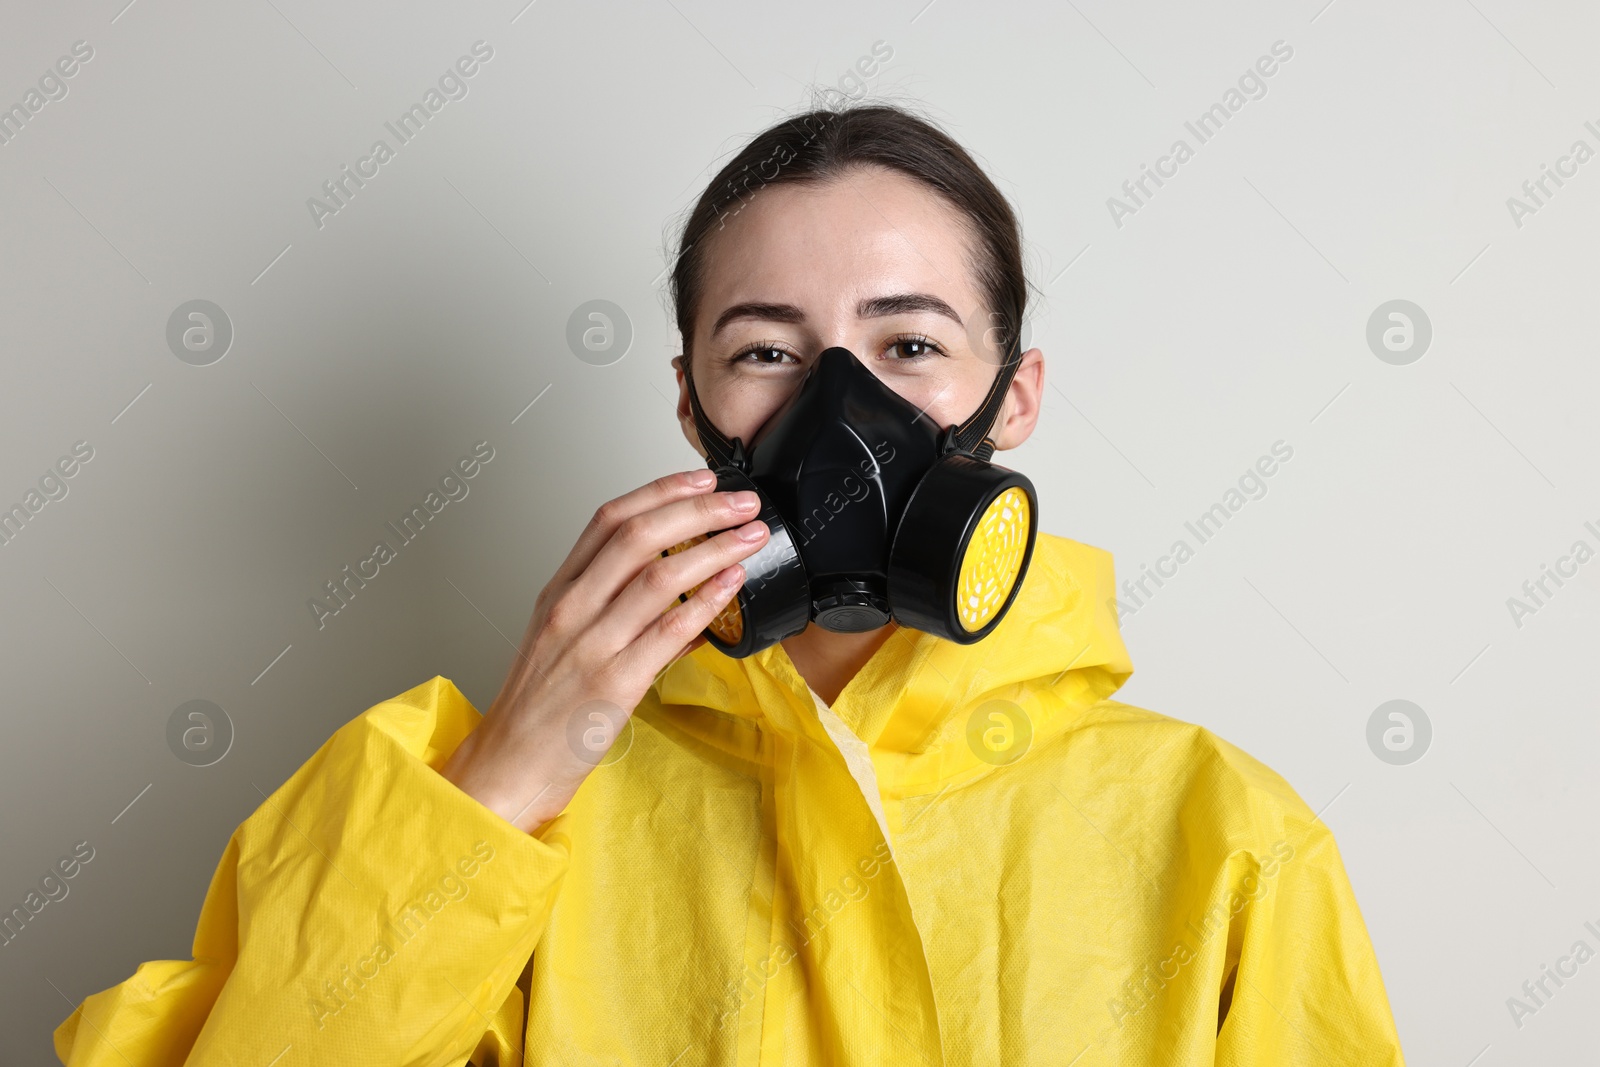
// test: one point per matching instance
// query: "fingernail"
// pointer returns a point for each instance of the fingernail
(753, 532)
(745, 500)
(702, 479)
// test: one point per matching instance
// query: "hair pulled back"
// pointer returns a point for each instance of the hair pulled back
(821, 145)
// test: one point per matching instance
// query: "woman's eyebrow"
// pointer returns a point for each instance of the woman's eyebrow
(764, 312)
(871, 308)
(904, 303)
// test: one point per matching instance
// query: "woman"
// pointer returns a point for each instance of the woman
(870, 847)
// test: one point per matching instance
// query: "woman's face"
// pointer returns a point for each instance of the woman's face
(875, 262)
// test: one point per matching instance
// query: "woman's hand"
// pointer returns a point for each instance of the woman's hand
(600, 634)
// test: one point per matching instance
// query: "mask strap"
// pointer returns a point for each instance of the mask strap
(720, 452)
(972, 436)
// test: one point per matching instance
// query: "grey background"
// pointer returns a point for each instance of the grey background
(1228, 313)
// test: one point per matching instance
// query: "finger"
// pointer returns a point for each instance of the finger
(654, 648)
(661, 582)
(640, 540)
(613, 513)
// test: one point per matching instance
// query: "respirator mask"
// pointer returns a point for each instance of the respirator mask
(875, 512)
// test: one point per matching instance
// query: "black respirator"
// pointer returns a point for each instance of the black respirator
(875, 513)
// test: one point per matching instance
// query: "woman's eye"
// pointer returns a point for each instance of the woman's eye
(765, 354)
(914, 347)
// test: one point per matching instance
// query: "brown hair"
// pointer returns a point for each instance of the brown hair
(820, 145)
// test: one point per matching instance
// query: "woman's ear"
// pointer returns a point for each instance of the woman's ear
(1020, 412)
(685, 411)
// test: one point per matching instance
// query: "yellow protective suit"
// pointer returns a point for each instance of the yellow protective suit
(1067, 880)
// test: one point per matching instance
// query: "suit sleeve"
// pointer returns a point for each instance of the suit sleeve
(367, 912)
(1305, 986)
